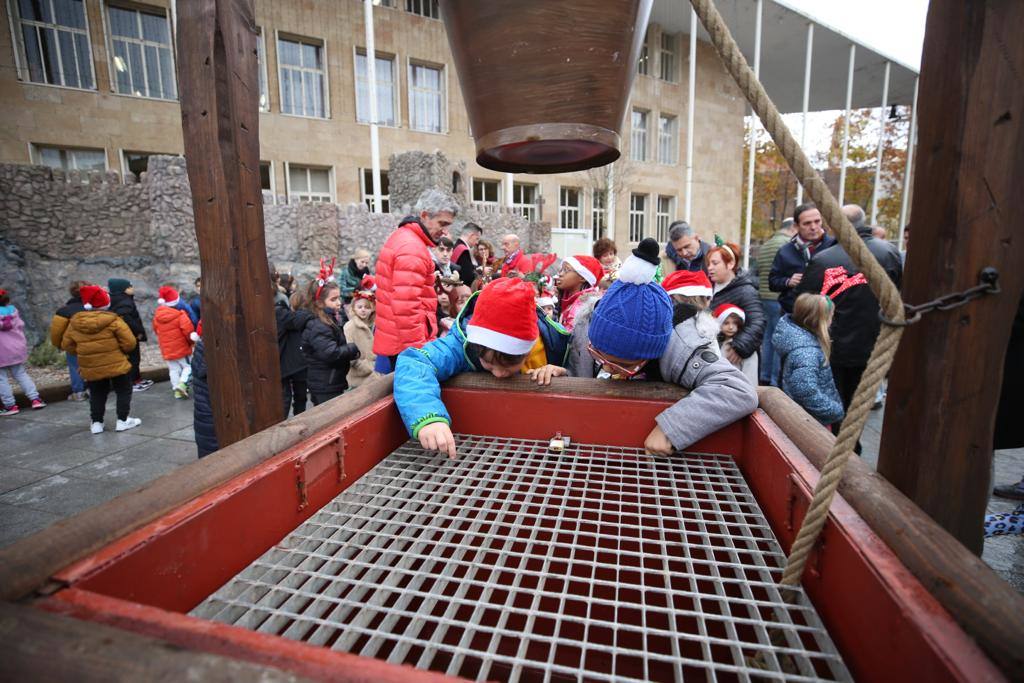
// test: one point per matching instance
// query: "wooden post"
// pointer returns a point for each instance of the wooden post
(967, 214)
(217, 72)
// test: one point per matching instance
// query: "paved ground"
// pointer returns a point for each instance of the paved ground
(52, 467)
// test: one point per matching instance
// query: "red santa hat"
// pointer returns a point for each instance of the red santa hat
(94, 297)
(587, 267)
(505, 317)
(168, 296)
(725, 310)
(688, 283)
(367, 289)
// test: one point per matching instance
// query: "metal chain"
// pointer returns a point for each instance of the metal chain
(989, 284)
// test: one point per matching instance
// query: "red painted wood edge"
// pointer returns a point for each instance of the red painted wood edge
(188, 632)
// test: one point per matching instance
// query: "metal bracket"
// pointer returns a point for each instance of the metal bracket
(318, 461)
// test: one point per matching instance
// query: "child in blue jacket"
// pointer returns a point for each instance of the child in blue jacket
(494, 332)
(803, 343)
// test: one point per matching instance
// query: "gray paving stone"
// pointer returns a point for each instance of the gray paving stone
(18, 522)
(185, 434)
(52, 460)
(40, 432)
(12, 478)
(63, 495)
(63, 412)
(130, 467)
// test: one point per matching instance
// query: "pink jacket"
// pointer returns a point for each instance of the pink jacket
(13, 347)
(571, 306)
(406, 300)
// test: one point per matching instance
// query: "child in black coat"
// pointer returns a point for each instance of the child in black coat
(290, 325)
(122, 302)
(323, 341)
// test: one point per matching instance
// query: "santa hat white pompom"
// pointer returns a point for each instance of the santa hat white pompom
(161, 301)
(87, 307)
(640, 267)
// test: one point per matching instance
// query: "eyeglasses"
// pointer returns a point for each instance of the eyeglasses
(628, 371)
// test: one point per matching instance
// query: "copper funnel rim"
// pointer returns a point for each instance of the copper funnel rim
(548, 148)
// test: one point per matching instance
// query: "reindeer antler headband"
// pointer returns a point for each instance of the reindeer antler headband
(326, 275)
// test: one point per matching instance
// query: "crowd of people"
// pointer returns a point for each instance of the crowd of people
(803, 319)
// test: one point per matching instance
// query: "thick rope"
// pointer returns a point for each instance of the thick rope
(885, 291)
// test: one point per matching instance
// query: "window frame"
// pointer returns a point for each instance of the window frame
(307, 40)
(261, 57)
(568, 211)
(599, 214)
(332, 191)
(430, 3)
(485, 202)
(530, 211)
(633, 131)
(675, 140)
(273, 181)
(641, 214)
(662, 235)
(366, 189)
(123, 159)
(674, 62)
(643, 62)
(109, 38)
(21, 68)
(443, 68)
(36, 147)
(396, 86)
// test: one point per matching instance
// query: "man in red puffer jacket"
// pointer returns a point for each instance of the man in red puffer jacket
(406, 300)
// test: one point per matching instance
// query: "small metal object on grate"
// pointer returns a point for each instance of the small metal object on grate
(518, 564)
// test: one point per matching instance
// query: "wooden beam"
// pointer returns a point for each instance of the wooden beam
(987, 608)
(38, 646)
(967, 215)
(219, 87)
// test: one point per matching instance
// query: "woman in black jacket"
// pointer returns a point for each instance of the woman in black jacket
(324, 345)
(733, 285)
(290, 325)
(202, 412)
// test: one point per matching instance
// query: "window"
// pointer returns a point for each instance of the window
(261, 68)
(486, 191)
(386, 91)
(669, 57)
(303, 91)
(525, 200)
(426, 98)
(643, 65)
(267, 180)
(663, 216)
(71, 159)
(424, 8)
(668, 141)
(598, 217)
(143, 60)
(638, 141)
(568, 208)
(307, 184)
(637, 216)
(53, 39)
(366, 188)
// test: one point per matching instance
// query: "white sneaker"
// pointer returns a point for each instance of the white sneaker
(97, 427)
(130, 423)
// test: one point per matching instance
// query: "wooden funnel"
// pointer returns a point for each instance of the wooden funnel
(545, 82)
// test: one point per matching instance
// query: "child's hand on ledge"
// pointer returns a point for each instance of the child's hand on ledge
(437, 436)
(543, 375)
(657, 443)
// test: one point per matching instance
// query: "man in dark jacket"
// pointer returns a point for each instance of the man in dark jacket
(58, 325)
(122, 302)
(793, 257)
(685, 248)
(290, 325)
(855, 326)
(462, 256)
(202, 411)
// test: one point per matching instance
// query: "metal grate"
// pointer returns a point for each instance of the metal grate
(513, 563)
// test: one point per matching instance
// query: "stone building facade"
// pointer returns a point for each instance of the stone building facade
(104, 109)
(56, 227)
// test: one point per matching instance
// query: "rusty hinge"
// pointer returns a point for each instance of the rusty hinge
(322, 458)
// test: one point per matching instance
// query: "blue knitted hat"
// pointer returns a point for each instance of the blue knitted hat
(632, 321)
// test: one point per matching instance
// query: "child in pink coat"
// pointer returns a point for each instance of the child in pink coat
(13, 354)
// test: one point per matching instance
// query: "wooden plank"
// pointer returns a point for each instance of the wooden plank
(967, 214)
(27, 565)
(217, 72)
(39, 646)
(571, 386)
(986, 607)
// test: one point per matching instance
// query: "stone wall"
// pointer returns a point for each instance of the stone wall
(57, 227)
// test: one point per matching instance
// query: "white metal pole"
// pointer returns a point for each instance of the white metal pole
(807, 101)
(753, 142)
(689, 115)
(609, 204)
(846, 124)
(881, 146)
(371, 72)
(508, 190)
(911, 143)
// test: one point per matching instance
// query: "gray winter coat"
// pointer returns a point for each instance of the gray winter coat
(719, 393)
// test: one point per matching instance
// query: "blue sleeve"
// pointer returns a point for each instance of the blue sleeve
(418, 377)
(808, 387)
